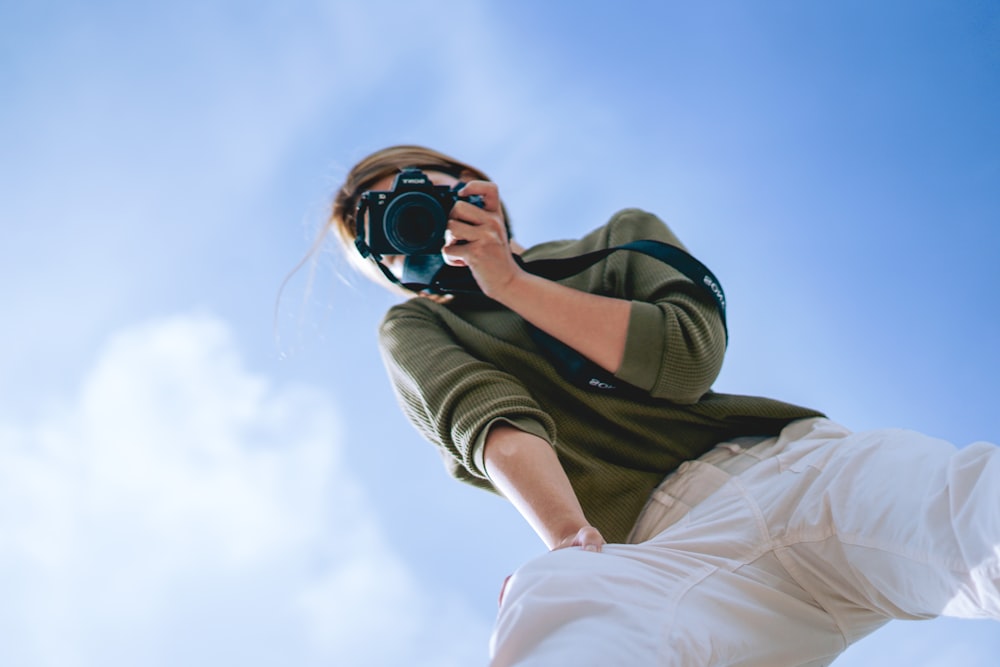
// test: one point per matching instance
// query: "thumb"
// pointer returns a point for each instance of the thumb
(587, 538)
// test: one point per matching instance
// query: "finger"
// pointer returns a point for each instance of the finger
(451, 257)
(453, 249)
(459, 232)
(487, 227)
(452, 260)
(590, 539)
(488, 190)
(450, 237)
(483, 188)
(471, 214)
(503, 589)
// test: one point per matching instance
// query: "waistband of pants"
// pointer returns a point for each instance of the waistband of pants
(694, 481)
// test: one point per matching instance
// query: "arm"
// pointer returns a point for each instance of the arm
(595, 326)
(525, 469)
(663, 335)
(452, 398)
(449, 395)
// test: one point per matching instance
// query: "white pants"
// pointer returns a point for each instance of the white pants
(780, 554)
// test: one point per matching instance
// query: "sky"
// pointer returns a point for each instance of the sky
(200, 467)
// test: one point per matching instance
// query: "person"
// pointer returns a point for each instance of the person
(683, 526)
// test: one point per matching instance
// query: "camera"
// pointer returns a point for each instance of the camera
(410, 219)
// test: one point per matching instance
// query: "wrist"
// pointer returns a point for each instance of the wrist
(513, 290)
(566, 532)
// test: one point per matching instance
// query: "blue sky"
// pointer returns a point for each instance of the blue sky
(186, 478)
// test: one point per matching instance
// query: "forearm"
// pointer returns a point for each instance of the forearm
(526, 470)
(595, 326)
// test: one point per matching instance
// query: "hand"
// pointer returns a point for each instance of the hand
(477, 238)
(503, 589)
(588, 537)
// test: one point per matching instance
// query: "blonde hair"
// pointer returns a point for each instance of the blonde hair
(372, 169)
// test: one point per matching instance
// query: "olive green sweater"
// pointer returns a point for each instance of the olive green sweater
(458, 368)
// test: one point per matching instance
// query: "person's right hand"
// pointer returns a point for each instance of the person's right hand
(477, 238)
(588, 538)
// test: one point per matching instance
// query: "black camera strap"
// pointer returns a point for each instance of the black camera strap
(430, 273)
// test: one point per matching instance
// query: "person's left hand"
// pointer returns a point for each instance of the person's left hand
(477, 238)
(587, 538)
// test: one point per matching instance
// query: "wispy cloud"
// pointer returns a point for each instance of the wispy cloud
(180, 500)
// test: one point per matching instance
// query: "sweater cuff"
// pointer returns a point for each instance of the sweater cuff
(644, 343)
(526, 424)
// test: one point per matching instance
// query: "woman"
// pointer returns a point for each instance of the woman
(734, 530)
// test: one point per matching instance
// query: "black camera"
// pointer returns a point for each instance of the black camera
(410, 219)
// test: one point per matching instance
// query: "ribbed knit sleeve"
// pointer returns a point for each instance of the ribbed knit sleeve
(449, 395)
(460, 367)
(676, 340)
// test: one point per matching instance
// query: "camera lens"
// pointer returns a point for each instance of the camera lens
(415, 223)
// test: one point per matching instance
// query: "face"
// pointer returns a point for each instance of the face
(395, 262)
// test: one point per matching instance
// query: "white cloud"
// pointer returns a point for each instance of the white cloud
(184, 506)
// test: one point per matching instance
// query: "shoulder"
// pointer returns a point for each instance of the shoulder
(410, 310)
(633, 224)
(629, 224)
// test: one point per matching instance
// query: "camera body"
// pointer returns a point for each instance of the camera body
(410, 219)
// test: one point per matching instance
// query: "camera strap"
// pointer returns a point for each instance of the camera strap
(429, 273)
(578, 369)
